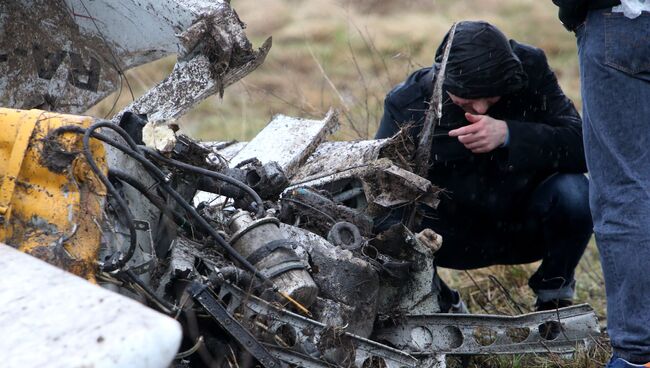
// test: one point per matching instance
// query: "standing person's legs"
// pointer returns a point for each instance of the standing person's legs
(614, 54)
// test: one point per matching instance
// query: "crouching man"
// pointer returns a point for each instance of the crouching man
(508, 153)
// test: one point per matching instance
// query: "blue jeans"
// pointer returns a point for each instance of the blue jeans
(614, 54)
(616, 362)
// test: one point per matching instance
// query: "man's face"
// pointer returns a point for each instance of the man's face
(476, 106)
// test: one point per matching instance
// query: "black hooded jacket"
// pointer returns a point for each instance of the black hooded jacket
(573, 12)
(545, 137)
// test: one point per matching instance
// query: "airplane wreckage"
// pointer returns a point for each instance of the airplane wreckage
(209, 254)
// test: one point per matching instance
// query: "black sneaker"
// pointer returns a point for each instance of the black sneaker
(458, 306)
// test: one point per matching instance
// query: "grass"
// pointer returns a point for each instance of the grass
(348, 54)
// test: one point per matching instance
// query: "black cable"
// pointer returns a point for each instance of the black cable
(140, 187)
(122, 259)
(157, 201)
(310, 207)
(217, 175)
(158, 174)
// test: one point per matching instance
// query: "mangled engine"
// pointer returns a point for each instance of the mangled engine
(307, 276)
(286, 250)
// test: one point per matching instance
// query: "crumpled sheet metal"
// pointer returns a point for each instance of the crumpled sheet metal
(334, 157)
(189, 83)
(415, 296)
(382, 165)
(385, 184)
(67, 55)
(288, 141)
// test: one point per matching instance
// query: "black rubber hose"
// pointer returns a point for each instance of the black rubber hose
(155, 171)
(157, 201)
(211, 185)
(216, 175)
(122, 259)
(219, 176)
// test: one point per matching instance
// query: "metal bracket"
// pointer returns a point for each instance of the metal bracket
(141, 225)
(489, 334)
(299, 360)
(145, 227)
(201, 294)
(309, 332)
(423, 340)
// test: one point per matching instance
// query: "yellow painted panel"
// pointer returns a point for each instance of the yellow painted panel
(55, 207)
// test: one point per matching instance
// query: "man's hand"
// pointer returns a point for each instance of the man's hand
(483, 134)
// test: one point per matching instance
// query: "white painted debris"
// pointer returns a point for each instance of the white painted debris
(51, 318)
(159, 136)
(382, 166)
(189, 83)
(384, 184)
(333, 157)
(286, 140)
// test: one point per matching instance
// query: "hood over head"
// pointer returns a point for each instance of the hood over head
(481, 62)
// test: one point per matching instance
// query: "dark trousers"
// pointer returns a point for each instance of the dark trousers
(553, 226)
